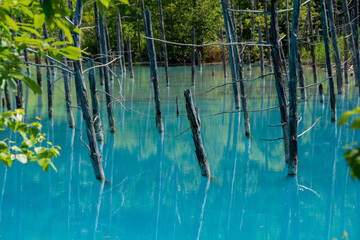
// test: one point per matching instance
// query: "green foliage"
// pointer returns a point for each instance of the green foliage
(352, 156)
(29, 151)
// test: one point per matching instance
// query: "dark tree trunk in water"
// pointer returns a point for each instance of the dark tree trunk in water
(232, 36)
(154, 72)
(119, 47)
(300, 72)
(267, 31)
(321, 94)
(346, 49)
(38, 70)
(177, 106)
(106, 75)
(328, 60)
(261, 53)
(336, 50)
(7, 98)
(19, 94)
(130, 64)
(293, 117)
(355, 28)
(82, 92)
(312, 47)
(67, 88)
(98, 41)
(279, 79)
(164, 44)
(231, 57)
(195, 125)
(138, 28)
(95, 104)
(48, 80)
(199, 60)
(223, 52)
(121, 42)
(193, 57)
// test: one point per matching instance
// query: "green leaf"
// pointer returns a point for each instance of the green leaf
(21, 158)
(3, 146)
(39, 20)
(31, 30)
(10, 22)
(71, 52)
(347, 115)
(355, 124)
(32, 85)
(59, 43)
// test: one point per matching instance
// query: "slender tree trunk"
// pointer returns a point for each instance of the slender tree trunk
(355, 27)
(138, 28)
(346, 49)
(336, 49)
(82, 92)
(279, 79)
(7, 98)
(300, 72)
(193, 57)
(98, 41)
(328, 60)
(164, 44)
(130, 64)
(312, 47)
(95, 104)
(268, 54)
(154, 72)
(293, 117)
(261, 53)
(109, 106)
(287, 26)
(223, 53)
(121, 42)
(19, 94)
(67, 88)
(38, 70)
(48, 79)
(351, 39)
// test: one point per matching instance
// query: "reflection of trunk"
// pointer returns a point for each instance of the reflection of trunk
(160, 155)
(97, 196)
(203, 208)
(69, 176)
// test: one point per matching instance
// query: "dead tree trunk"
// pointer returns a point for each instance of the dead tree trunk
(7, 98)
(355, 28)
(48, 80)
(279, 79)
(241, 39)
(261, 53)
(82, 92)
(98, 41)
(293, 117)
(130, 64)
(199, 60)
(154, 72)
(138, 28)
(328, 60)
(336, 49)
(122, 51)
(166, 63)
(231, 58)
(19, 94)
(106, 73)
(300, 72)
(38, 70)
(119, 47)
(223, 52)
(346, 49)
(312, 47)
(67, 89)
(95, 104)
(195, 125)
(287, 26)
(193, 56)
(268, 54)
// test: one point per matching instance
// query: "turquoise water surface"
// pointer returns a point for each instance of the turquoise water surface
(155, 190)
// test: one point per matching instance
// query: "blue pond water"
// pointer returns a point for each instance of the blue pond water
(155, 189)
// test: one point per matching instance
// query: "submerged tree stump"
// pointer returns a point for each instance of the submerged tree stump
(195, 125)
